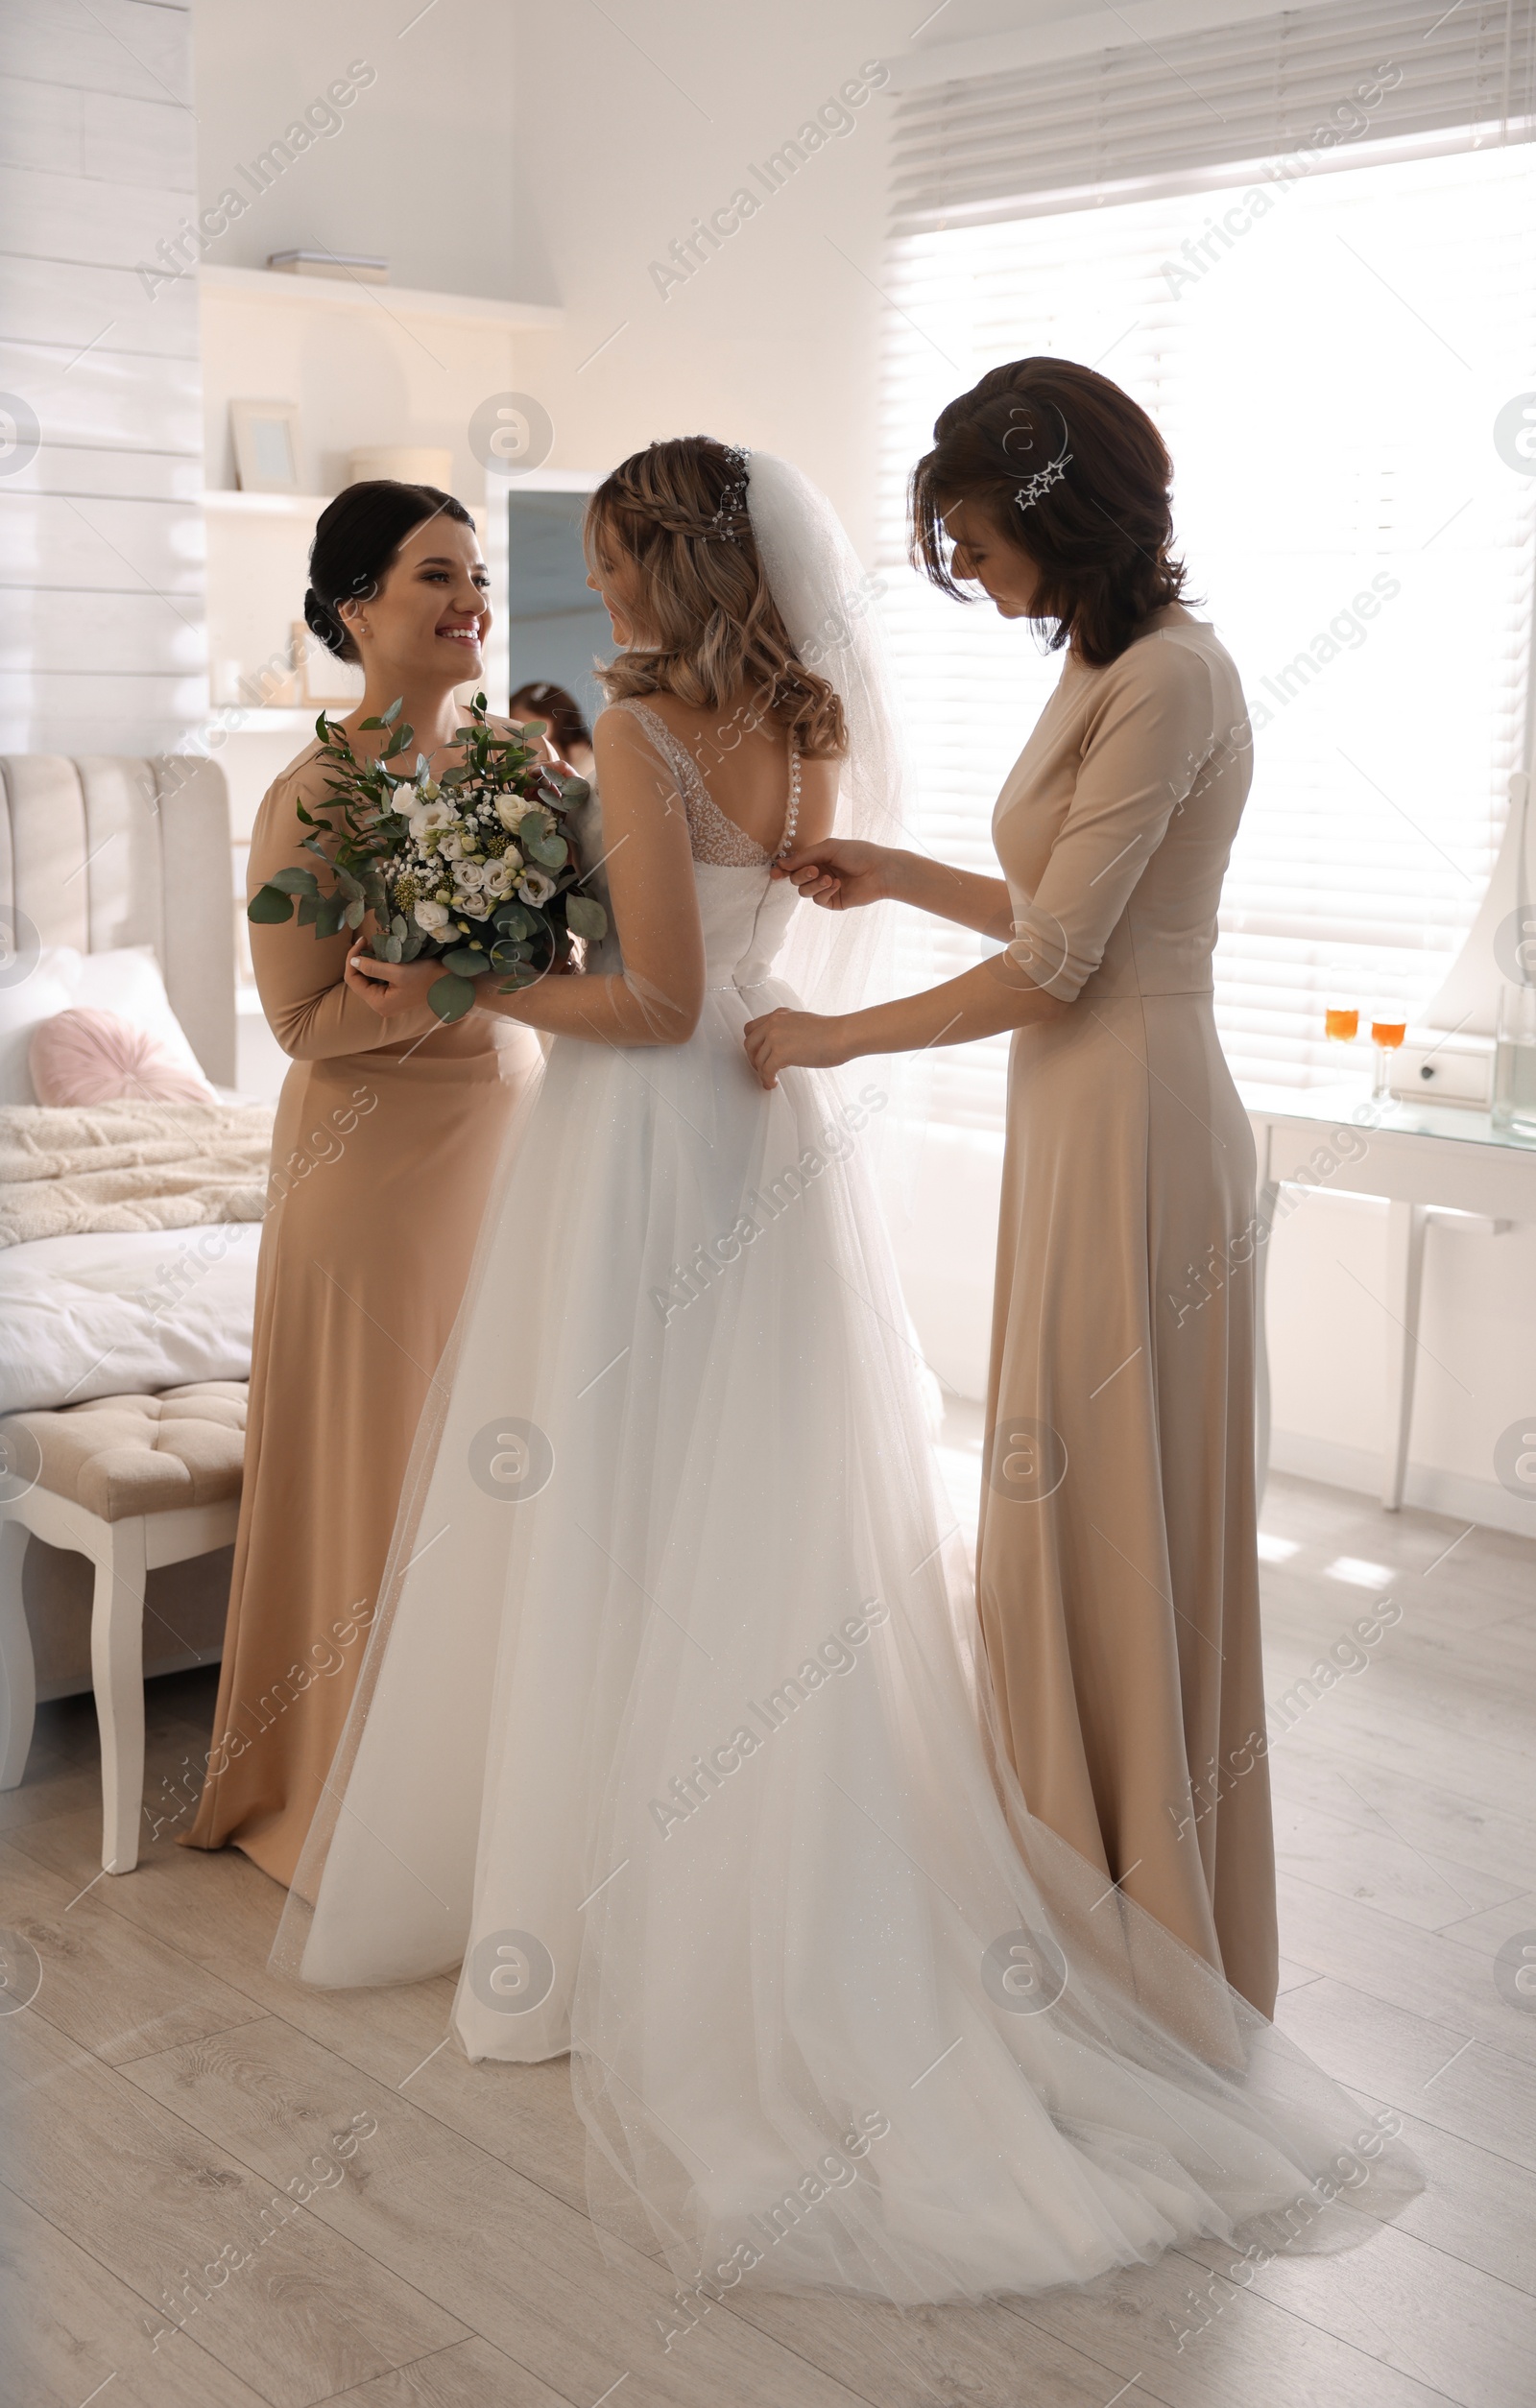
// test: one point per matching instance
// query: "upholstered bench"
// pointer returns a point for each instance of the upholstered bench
(132, 1481)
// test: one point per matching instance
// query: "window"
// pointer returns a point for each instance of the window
(1326, 354)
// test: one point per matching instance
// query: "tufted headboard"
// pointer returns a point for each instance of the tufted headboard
(104, 851)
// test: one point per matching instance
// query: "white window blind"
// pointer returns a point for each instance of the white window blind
(1118, 121)
(1327, 381)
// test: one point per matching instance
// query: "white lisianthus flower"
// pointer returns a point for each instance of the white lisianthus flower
(432, 917)
(424, 816)
(498, 878)
(468, 876)
(535, 887)
(450, 845)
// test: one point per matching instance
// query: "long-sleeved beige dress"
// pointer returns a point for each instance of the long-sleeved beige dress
(1117, 1565)
(386, 1139)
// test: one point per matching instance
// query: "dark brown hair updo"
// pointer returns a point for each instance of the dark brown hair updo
(1072, 471)
(551, 702)
(677, 513)
(356, 537)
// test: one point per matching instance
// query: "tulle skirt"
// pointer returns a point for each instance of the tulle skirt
(670, 1735)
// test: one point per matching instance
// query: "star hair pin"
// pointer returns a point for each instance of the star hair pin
(1042, 482)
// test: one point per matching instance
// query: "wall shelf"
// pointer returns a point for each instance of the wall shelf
(398, 300)
(233, 503)
(284, 719)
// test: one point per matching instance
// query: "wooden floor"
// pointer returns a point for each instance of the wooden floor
(166, 2099)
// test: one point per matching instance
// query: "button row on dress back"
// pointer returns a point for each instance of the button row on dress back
(786, 842)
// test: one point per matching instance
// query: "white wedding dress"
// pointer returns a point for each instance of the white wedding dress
(668, 1732)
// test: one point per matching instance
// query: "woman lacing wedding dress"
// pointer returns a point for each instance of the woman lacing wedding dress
(666, 1733)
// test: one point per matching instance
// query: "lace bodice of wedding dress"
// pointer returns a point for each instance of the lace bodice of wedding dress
(744, 912)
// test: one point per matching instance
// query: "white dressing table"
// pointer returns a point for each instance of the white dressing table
(1425, 1159)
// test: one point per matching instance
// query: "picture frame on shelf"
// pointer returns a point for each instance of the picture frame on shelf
(266, 446)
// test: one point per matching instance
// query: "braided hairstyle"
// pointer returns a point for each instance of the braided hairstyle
(356, 538)
(1073, 471)
(676, 517)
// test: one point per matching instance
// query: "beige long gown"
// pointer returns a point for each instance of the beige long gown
(1118, 1566)
(386, 1139)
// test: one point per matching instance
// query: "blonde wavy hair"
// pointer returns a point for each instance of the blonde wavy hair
(676, 514)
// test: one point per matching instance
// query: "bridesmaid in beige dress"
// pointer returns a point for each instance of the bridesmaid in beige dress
(1117, 1559)
(386, 1139)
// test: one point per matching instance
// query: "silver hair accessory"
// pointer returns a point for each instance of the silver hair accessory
(1054, 470)
(1041, 480)
(733, 500)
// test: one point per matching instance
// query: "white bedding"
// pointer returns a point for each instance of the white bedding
(125, 1314)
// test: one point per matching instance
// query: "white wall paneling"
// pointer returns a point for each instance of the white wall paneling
(102, 644)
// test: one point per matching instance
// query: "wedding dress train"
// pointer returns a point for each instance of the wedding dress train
(670, 1736)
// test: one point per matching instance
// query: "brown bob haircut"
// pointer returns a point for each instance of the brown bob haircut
(1071, 469)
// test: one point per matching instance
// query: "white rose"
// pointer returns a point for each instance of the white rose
(450, 845)
(535, 887)
(512, 859)
(470, 876)
(509, 809)
(432, 917)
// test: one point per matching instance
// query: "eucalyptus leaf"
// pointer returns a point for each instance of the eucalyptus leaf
(398, 927)
(551, 852)
(294, 881)
(465, 962)
(389, 717)
(451, 997)
(308, 910)
(574, 792)
(391, 949)
(585, 918)
(355, 913)
(268, 905)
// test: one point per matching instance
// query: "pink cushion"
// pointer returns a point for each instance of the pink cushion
(89, 1057)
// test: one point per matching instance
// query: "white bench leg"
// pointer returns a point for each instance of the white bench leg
(18, 1683)
(117, 1675)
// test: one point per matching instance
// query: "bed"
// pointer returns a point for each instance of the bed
(99, 855)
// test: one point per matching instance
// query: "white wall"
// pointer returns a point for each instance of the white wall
(101, 592)
(416, 166)
(774, 339)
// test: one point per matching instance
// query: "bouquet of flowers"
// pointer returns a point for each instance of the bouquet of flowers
(474, 869)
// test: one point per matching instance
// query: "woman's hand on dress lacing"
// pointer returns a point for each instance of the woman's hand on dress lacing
(839, 874)
(785, 1040)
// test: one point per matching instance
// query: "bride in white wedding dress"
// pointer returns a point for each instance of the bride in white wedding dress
(668, 1731)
